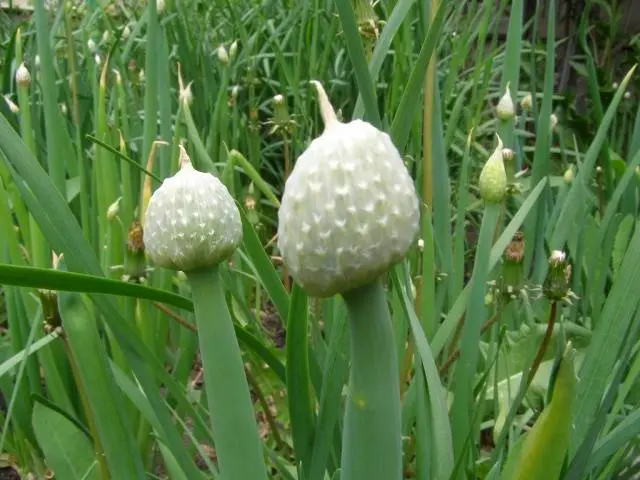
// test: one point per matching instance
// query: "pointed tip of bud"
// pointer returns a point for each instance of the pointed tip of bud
(184, 161)
(326, 109)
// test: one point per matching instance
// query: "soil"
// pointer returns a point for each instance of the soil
(8, 473)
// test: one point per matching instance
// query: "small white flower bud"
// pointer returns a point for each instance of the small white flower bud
(627, 95)
(223, 56)
(615, 85)
(37, 61)
(420, 245)
(105, 36)
(141, 76)
(233, 49)
(12, 106)
(23, 77)
(160, 6)
(91, 45)
(63, 108)
(116, 73)
(506, 110)
(553, 121)
(493, 177)
(557, 257)
(568, 175)
(235, 90)
(113, 209)
(527, 102)
(186, 95)
(126, 31)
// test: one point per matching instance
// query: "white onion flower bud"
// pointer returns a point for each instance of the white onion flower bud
(23, 77)
(349, 209)
(506, 110)
(192, 220)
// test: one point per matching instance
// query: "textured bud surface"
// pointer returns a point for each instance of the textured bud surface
(191, 221)
(349, 210)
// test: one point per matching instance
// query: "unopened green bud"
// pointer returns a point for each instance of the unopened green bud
(527, 102)
(506, 110)
(568, 175)
(493, 177)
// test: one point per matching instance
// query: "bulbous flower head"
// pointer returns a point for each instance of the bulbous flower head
(192, 220)
(349, 209)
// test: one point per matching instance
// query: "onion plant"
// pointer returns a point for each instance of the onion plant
(204, 275)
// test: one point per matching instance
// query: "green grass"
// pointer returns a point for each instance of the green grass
(100, 363)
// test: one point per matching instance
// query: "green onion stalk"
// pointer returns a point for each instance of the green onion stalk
(349, 212)
(193, 225)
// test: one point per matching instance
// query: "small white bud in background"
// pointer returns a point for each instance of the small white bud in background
(116, 73)
(113, 209)
(506, 110)
(105, 36)
(233, 49)
(235, 90)
(414, 291)
(278, 99)
(37, 61)
(420, 245)
(223, 56)
(568, 175)
(23, 77)
(527, 102)
(97, 59)
(615, 85)
(141, 76)
(557, 257)
(508, 154)
(91, 45)
(126, 31)
(553, 121)
(12, 106)
(63, 108)
(160, 6)
(186, 95)
(627, 95)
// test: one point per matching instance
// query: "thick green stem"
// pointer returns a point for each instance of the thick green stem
(372, 443)
(235, 432)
